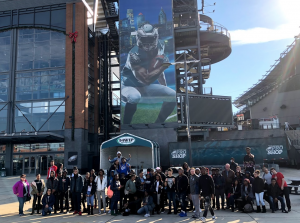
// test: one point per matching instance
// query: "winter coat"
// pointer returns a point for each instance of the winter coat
(258, 185)
(159, 189)
(236, 190)
(114, 188)
(77, 185)
(66, 184)
(87, 184)
(229, 180)
(34, 188)
(51, 200)
(101, 186)
(274, 191)
(181, 183)
(53, 185)
(18, 188)
(206, 185)
(194, 184)
(249, 191)
(130, 185)
(219, 182)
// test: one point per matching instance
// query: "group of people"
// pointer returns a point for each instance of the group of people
(124, 191)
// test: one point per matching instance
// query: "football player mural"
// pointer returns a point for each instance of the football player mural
(147, 77)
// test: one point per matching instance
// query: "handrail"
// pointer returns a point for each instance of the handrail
(215, 28)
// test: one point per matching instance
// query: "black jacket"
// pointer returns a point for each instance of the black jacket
(65, 187)
(52, 184)
(219, 181)
(181, 183)
(233, 166)
(258, 185)
(274, 191)
(236, 190)
(206, 185)
(86, 184)
(76, 184)
(50, 202)
(139, 185)
(159, 189)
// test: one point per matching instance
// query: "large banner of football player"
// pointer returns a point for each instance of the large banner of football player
(146, 52)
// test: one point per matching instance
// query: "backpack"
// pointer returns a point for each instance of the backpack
(110, 193)
(248, 208)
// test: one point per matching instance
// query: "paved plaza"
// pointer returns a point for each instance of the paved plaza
(9, 210)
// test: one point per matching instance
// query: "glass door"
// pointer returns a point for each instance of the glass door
(43, 165)
(32, 168)
(26, 165)
(17, 164)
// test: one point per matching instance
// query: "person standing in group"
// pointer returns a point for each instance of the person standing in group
(140, 185)
(38, 187)
(157, 186)
(101, 182)
(60, 169)
(76, 188)
(115, 187)
(90, 190)
(130, 186)
(249, 162)
(283, 186)
(52, 183)
(186, 169)
(52, 168)
(258, 189)
(228, 175)
(207, 188)
(163, 195)
(274, 192)
(93, 173)
(83, 198)
(219, 188)
(21, 189)
(195, 192)
(48, 202)
(63, 188)
(170, 189)
(181, 187)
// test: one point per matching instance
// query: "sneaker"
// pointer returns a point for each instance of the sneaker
(203, 219)
(162, 212)
(183, 214)
(109, 212)
(80, 213)
(194, 216)
(147, 215)
(66, 212)
(75, 212)
(214, 217)
(99, 212)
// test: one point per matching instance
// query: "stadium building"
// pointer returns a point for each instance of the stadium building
(77, 73)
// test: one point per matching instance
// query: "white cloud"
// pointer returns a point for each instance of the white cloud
(262, 35)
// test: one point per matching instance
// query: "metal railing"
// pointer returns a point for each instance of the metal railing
(215, 28)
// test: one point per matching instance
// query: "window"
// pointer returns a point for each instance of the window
(2, 148)
(39, 49)
(39, 147)
(37, 114)
(5, 46)
(3, 118)
(2, 162)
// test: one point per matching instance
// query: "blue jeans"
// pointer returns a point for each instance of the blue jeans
(21, 200)
(90, 200)
(171, 197)
(272, 203)
(145, 209)
(182, 197)
(44, 213)
(231, 200)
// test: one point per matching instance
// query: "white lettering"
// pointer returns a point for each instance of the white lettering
(274, 149)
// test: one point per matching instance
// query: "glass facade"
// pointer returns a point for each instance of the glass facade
(38, 77)
(39, 148)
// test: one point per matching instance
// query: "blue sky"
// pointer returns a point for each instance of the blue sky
(260, 31)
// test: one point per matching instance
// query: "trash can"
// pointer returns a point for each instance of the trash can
(3, 172)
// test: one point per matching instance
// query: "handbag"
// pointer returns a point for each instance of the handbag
(126, 192)
(28, 198)
(110, 193)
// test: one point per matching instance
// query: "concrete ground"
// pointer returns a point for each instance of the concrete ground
(9, 210)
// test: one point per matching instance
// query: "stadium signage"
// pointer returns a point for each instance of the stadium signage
(274, 149)
(126, 140)
(179, 154)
